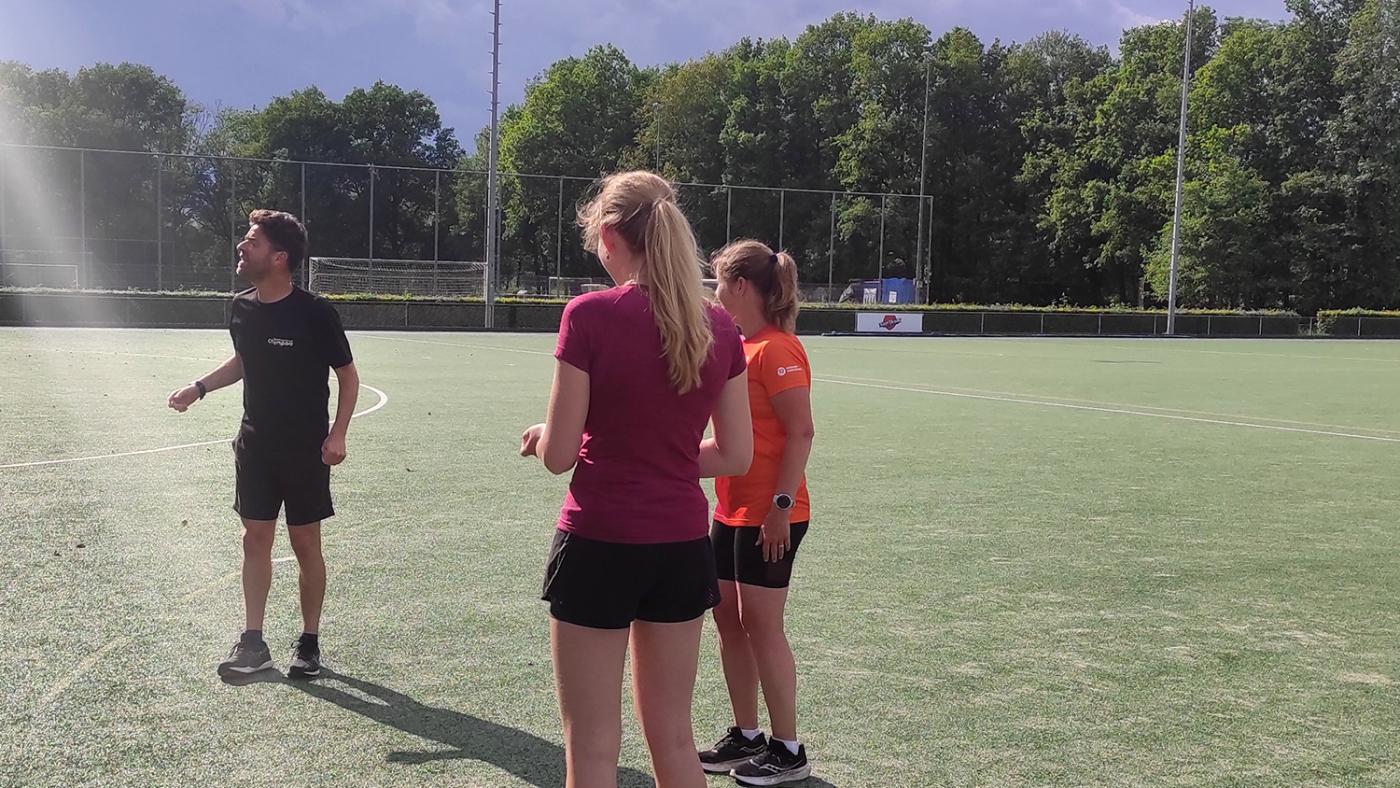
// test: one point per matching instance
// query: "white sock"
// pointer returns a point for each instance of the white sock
(751, 734)
(791, 745)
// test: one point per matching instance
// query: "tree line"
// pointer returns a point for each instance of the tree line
(1048, 165)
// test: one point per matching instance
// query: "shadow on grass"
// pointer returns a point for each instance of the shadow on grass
(528, 757)
(536, 761)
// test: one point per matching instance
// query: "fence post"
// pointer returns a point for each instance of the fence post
(559, 239)
(371, 228)
(485, 234)
(2, 203)
(232, 237)
(1358, 325)
(1208, 329)
(831, 251)
(880, 271)
(728, 213)
(782, 211)
(160, 231)
(1042, 324)
(305, 264)
(437, 208)
(982, 329)
(929, 270)
(1100, 333)
(83, 270)
(1261, 326)
(919, 258)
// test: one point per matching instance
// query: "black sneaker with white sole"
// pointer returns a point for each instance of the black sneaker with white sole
(246, 658)
(777, 765)
(731, 751)
(306, 660)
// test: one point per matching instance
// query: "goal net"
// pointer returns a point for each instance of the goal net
(430, 278)
(40, 268)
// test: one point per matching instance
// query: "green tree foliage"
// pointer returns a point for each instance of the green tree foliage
(97, 210)
(1050, 163)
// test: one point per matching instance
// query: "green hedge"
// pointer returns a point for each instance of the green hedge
(377, 297)
(68, 308)
(1053, 309)
(842, 307)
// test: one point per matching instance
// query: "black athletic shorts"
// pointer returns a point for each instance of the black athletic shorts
(607, 585)
(266, 479)
(739, 556)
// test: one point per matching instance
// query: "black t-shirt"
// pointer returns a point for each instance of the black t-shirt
(288, 348)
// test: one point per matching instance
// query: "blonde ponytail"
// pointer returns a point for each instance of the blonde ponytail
(672, 271)
(641, 208)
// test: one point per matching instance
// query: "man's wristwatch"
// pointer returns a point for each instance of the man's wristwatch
(784, 502)
(199, 384)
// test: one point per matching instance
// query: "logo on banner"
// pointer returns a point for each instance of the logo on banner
(889, 323)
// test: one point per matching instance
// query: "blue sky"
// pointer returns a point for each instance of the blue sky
(240, 53)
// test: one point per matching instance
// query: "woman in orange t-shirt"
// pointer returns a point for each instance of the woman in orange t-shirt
(761, 518)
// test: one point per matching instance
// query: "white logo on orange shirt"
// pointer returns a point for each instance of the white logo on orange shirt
(783, 371)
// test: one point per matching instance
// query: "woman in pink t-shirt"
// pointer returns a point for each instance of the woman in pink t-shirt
(641, 370)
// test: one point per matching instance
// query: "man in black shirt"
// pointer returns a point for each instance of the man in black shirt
(285, 341)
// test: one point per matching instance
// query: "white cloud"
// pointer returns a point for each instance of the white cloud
(1128, 17)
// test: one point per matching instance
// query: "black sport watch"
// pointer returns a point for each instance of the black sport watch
(784, 502)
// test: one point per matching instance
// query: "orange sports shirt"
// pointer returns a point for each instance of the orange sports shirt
(777, 363)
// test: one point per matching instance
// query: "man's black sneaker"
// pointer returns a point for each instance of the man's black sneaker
(775, 766)
(246, 659)
(306, 661)
(731, 751)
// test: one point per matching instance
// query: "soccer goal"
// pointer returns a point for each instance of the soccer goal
(430, 278)
(40, 268)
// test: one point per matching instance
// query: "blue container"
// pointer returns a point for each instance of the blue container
(889, 291)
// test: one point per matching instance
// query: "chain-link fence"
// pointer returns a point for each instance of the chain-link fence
(124, 220)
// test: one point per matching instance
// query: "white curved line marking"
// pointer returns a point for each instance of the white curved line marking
(383, 400)
(82, 667)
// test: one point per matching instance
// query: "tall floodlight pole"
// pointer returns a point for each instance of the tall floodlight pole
(1180, 169)
(493, 197)
(923, 177)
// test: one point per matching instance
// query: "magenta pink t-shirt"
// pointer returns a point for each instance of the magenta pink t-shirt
(638, 474)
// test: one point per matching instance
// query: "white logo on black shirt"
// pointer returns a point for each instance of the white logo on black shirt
(279, 342)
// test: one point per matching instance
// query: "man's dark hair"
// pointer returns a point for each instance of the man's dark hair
(284, 231)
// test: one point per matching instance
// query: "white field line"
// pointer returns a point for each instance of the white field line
(383, 400)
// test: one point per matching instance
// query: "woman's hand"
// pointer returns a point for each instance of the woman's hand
(775, 535)
(530, 440)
